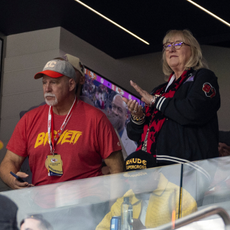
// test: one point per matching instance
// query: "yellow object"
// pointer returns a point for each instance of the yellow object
(160, 207)
(1, 145)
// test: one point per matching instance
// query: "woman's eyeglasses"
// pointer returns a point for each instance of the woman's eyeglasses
(176, 45)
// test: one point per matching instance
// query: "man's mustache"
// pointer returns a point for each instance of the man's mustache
(49, 95)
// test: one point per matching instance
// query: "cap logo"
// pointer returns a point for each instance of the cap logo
(50, 64)
(136, 161)
(134, 167)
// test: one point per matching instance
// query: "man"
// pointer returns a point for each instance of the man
(153, 197)
(65, 139)
(118, 120)
(35, 222)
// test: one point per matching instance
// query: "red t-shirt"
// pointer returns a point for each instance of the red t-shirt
(87, 138)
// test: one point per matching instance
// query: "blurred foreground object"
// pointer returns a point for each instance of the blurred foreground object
(1, 144)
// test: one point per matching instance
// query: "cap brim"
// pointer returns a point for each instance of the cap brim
(49, 73)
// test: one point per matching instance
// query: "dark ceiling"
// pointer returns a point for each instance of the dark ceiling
(149, 19)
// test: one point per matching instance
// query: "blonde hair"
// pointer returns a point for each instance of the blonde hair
(195, 61)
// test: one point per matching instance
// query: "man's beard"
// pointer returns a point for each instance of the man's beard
(116, 121)
(52, 102)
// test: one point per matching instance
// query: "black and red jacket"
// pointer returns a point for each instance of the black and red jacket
(190, 131)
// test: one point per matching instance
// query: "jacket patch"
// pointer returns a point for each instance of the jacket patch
(209, 90)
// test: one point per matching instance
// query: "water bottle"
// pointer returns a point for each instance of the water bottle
(115, 223)
(126, 215)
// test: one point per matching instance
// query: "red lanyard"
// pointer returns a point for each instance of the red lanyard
(52, 140)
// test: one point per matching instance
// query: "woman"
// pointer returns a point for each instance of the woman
(179, 122)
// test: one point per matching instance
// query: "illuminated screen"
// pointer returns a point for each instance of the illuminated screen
(101, 82)
(103, 94)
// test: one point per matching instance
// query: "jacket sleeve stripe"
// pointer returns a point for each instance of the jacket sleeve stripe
(160, 102)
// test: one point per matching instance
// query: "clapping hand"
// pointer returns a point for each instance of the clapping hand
(133, 106)
(145, 96)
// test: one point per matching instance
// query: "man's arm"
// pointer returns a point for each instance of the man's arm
(115, 162)
(12, 162)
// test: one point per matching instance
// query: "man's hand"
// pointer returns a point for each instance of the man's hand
(15, 184)
(105, 170)
(224, 150)
(12, 162)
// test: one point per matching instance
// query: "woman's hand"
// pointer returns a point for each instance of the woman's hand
(134, 108)
(145, 96)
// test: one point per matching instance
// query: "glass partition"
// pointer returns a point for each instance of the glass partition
(219, 189)
(209, 183)
(158, 196)
(88, 203)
